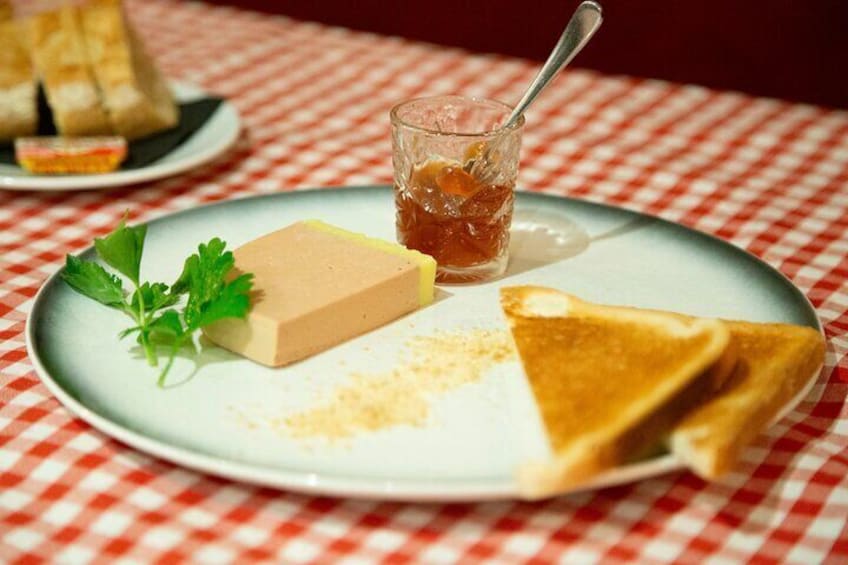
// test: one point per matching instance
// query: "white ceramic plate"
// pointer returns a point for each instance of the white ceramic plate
(216, 136)
(478, 433)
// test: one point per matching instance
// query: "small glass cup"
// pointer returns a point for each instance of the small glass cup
(442, 209)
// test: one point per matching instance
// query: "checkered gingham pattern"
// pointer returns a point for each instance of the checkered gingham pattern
(769, 176)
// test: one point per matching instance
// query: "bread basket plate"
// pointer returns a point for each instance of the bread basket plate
(220, 414)
(217, 135)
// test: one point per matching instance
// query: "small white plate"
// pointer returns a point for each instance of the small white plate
(479, 433)
(215, 136)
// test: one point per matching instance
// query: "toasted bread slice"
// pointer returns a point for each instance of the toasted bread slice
(62, 62)
(135, 94)
(18, 109)
(776, 361)
(609, 382)
(5, 11)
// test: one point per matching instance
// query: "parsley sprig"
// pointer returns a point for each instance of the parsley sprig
(212, 295)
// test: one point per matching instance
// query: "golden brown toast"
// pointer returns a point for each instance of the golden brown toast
(610, 382)
(775, 362)
(135, 95)
(62, 62)
(18, 110)
(5, 11)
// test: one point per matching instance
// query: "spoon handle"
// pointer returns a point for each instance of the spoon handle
(582, 25)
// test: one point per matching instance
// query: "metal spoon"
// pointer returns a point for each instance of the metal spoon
(580, 28)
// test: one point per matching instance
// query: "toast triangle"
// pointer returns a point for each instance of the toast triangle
(610, 382)
(776, 361)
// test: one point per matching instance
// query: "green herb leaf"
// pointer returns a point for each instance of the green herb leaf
(210, 298)
(122, 249)
(130, 331)
(182, 283)
(233, 301)
(91, 280)
(167, 329)
(154, 296)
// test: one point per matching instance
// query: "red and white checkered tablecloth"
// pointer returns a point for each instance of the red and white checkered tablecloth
(769, 176)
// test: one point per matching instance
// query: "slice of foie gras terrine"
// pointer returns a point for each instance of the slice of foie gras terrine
(315, 286)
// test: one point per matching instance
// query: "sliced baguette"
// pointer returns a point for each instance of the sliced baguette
(18, 108)
(609, 382)
(135, 94)
(61, 61)
(776, 361)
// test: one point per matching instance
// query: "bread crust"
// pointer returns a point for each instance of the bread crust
(6, 11)
(18, 112)
(134, 93)
(62, 63)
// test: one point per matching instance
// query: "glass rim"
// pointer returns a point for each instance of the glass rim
(397, 120)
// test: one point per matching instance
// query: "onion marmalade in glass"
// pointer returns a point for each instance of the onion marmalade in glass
(441, 208)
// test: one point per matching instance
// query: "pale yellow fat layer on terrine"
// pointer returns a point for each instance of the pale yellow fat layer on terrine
(426, 264)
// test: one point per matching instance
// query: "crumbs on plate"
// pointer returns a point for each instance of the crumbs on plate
(431, 366)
